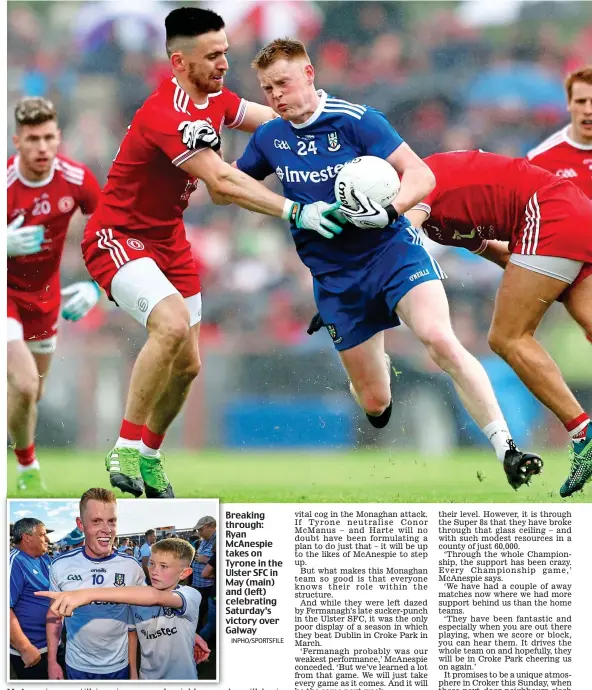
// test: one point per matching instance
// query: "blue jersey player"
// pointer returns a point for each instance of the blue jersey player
(373, 271)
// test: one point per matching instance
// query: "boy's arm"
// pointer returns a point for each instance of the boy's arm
(64, 603)
(132, 653)
(53, 631)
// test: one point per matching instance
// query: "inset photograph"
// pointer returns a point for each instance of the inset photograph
(108, 589)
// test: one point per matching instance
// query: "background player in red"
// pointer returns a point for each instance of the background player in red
(481, 198)
(568, 153)
(44, 190)
(135, 244)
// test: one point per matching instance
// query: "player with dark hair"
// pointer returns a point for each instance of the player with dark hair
(135, 245)
(376, 273)
(44, 191)
(482, 198)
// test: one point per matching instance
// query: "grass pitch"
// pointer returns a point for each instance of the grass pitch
(374, 476)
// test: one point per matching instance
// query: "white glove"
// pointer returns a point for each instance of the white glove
(316, 217)
(83, 297)
(199, 135)
(22, 241)
(368, 213)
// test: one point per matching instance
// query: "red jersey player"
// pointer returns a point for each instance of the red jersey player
(44, 191)
(482, 198)
(568, 153)
(135, 244)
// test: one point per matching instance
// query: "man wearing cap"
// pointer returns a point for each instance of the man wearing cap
(28, 571)
(206, 586)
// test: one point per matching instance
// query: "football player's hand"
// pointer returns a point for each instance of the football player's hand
(201, 651)
(30, 656)
(199, 135)
(368, 213)
(316, 217)
(22, 241)
(316, 323)
(54, 671)
(82, 298)
(65, 603)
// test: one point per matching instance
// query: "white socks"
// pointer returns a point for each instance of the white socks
(498, 435)
(147, 452)
(126, 443)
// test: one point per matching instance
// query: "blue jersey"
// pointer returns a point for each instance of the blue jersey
(97, 633)
(28, 575)
(307, 158)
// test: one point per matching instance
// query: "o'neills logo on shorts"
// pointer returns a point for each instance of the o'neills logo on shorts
(132, 243)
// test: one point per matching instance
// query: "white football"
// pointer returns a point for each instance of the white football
(374, 177)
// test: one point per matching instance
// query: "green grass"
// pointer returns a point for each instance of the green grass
(375, 476)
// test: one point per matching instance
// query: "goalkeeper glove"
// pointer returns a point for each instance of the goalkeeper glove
(315, 217)
(83, 297)
(22, 241)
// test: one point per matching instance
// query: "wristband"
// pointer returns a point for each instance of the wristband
(287, 210)
(392, 214)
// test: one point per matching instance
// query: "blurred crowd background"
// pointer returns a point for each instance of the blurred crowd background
(449, 75)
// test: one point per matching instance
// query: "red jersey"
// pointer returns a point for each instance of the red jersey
(51, 203)
(564, 157)
(146, 192)
(483, 196)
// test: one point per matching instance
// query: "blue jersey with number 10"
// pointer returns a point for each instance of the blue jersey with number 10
(306, 159)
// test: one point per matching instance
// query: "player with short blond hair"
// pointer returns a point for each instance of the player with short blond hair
(100, 635)
(375, 273)
(44, 189)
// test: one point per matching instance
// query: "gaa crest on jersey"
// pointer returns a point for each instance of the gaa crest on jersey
(66, 204)
(133, 243)
(333, 333)
(119, 580)
(167, 612)
(333, 141)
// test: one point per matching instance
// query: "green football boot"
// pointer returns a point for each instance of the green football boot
(30, 483)
(156, 483)
(580, 457)
(123, 465)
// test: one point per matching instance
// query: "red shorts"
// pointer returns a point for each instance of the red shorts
(106, 250)
(557, 222)
(38, 313)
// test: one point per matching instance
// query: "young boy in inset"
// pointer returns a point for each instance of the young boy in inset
(164, 614)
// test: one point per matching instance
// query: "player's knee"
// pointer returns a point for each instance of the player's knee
(499, 343)
(172, 332)
(26, 387)
(188, 369)
(444, 349)
(374, 401)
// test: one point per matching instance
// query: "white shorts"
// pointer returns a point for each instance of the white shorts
(139, 285)
(14, 331)
(556, 267)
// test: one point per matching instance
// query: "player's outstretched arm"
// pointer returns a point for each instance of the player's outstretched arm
(65, 603)
(235, 186)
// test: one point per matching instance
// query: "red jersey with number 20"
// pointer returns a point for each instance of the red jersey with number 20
(484, 196)
(146, 192)
(51, 203)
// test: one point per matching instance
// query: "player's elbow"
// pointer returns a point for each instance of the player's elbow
(428, 178)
